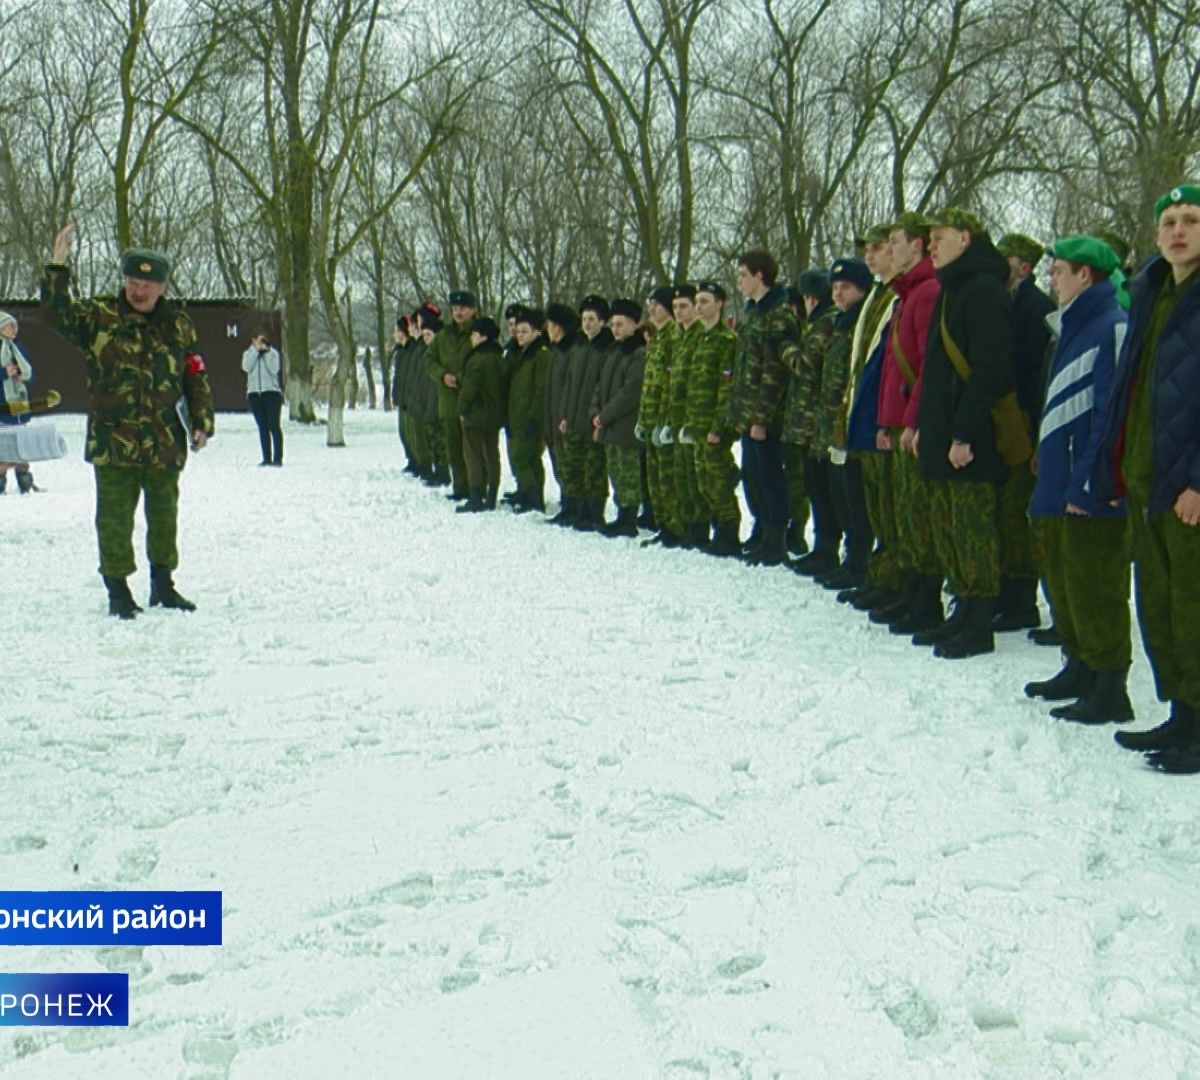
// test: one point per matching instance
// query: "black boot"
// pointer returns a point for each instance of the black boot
(797, 545)
(1049, 637)
(474, 503)
(900, 606)
(3, 482)
(1075, 680)
(25, 482)
(695, 536)
(817, 562)
(946, 629)
(1017, 607)
(568, 511)
(974, 637)
(489, 500)
(625, 525)
(1106, 703)
(846, 576)
(120, 600)
(591, 515)
(1179, 728)
(754, 539)
(924, 613)
(646, 520)
(875, 598)
(773, 549)
(162, 591)
(725, 543)
(1183, 760)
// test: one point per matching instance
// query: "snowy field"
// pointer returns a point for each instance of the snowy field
(487, 798)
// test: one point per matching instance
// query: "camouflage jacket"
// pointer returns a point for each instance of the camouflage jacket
(835, 374)
(139, 368)
(676, 391)
(800, 423)
(709, 381)
(658, 359)
(769, 332)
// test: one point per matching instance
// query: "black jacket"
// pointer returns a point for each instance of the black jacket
(979, 319)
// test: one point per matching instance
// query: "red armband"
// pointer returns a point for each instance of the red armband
(195, 363)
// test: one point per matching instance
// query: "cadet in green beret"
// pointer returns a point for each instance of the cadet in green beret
(149, 399)
(1153, 419)
(1084, 543)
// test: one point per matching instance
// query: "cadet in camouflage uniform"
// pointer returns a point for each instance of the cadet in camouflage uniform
(1016, 607)
(425, 395)
(615, 412)
(691, 514)
(850, 280)
(660, 477)
(526, 411)
(707, 399)
(800, 423)
(585, 469)
(444, 359)
(768, 334)
(562, 328)
(956, 435)
(144, 375)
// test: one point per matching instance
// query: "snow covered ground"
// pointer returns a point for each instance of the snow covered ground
(486, 798)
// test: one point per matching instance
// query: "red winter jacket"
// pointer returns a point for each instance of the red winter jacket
(918, 291)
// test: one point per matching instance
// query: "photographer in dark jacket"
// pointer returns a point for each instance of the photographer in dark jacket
(264, 390)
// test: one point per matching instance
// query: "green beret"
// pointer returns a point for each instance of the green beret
(145, 265)
(1022, 247)
(912, 223)
(877, 234)
(1087, 250)
(1185, 193)
(954, 217)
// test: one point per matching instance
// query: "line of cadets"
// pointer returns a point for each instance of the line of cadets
(897, 399)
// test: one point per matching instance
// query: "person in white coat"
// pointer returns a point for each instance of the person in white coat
(15, 373)
(264, 389)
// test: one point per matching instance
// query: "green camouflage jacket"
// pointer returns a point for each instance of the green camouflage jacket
(658, 359)
(835, 373)
(709, 381)
(768, 333)
(675, 395)
(139, 368)
(800, 424)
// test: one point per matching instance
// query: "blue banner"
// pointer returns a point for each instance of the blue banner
(110, 918)
(67, 999)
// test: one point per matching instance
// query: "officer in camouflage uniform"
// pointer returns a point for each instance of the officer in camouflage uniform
(146, 381)
(691, 519)
(614, 414)
(660, 477)
(712, 445)
(425, 395)
(444, 358)
(769, 333)
(585, 469)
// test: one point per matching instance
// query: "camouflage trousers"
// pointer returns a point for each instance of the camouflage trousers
(1166, 559)
(1017, 558)
(625, 475)
(660, 472)
(965, 535)
(884, 568)
(689, 499)
(435, 439)
(717, 475)
(584, 468)
(416, 445)
(1086, 562)
(914, 502)
(118, 490)
(525, 460)
(452, 427)
(793, 466)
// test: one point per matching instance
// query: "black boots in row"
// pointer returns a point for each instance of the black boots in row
(1100, 697)
(163, 593)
